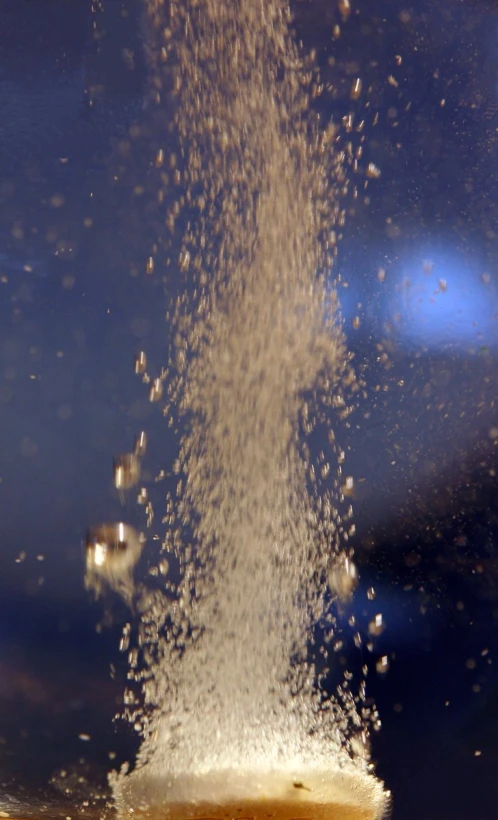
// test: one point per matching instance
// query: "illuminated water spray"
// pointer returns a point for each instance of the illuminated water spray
(231, 699)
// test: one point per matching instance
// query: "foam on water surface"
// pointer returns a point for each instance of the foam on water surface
(290, 788)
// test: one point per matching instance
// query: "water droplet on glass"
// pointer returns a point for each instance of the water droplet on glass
(371, 594)
(140, 444)
(126, 471)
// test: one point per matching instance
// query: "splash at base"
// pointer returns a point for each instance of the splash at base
(283, 794)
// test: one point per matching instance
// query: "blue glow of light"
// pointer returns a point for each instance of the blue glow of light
(441, 298)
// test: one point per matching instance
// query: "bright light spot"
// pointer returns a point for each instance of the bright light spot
(440, 300)
(99, 555)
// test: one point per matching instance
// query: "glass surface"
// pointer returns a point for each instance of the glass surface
(418, 289)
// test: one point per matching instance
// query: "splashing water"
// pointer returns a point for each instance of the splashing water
(258, 356)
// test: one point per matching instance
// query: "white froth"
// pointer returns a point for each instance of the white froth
(346, 787)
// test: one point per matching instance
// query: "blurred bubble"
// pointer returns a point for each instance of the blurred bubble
(156, 390)
(343, 578)
(142, 496)
(140, 362)
(382, 665)
(126, 471)
(376, 626)
(112, 551)
(140, 444)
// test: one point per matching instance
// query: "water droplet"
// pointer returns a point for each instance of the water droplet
(125, 638)
(356, 87)
(142, 495)
(376, 626)
(163, 567)
(112, 551)
(156, 390)
(343, 578)
(140, 444)
(371, 594)
(126, 471)
(140, 363)
(373, 172)
(344, 7)
(382, 665)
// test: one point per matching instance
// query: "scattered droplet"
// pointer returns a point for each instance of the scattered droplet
(126, 471)
(344, 8)
(140, 444)
(140, 363)
(125, 638)
(373, 172)
(112, 551)
(356, 87)
(343, 578)
(142, 495)
(382, 665)
(156, 390)
(371, 594)
(376, 626)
